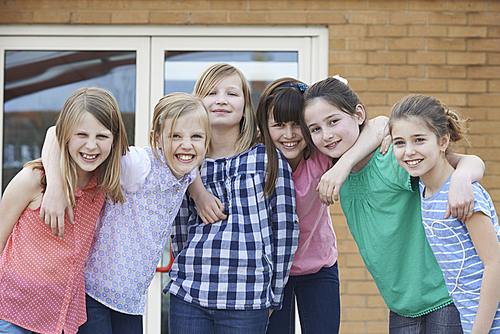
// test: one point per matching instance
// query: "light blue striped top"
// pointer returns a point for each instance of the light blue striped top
(455, 252)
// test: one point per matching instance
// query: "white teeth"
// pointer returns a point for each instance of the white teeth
(89, 156)
(289, 144)
(413, 162)
(185, 156)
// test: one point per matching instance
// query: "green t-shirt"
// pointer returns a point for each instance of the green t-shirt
(382, 208)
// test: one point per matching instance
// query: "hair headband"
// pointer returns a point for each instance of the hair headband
(299, 85)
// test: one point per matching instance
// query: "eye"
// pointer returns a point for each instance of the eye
(232, 94)
(278, 125)
(103, 136)
(315, 129)
(175, 135)
(211, 93)
(197, 136)
(296, 124)
(81, 134)
(419, 140)
(333, 121)
(398, 143)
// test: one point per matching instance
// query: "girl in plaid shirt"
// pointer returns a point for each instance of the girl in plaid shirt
(228, 275)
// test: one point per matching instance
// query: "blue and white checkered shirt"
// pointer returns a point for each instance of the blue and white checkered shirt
(241, 263)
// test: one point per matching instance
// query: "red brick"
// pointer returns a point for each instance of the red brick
(337, 44)
(484, 100)
(268, 5)
(447, 18)
(493, 32)
(447, 72)
(494, 86)
(16, 17)
(436, 31)
(148, 5)
(466, 6)
(406, 71)
(493, 6)
(91, 17)
(386, 5)
(367, 18)
(467, 86)
(466, 58)
(347, 58)
(467, 31)
(308, 5)
(110, 4)
(484, 19)
(209, 18)
(51, 17)
(71, 4)
(350, 5)
(372, 99)
(406, 44)
(287, 18)
(405, 18)
(33, 4)
(366, 71)
(386, 57)
(387, 85)
(426, 85)
(431, 58)
(228, 5)
(248, 17)
(387, 31)
(484, 44)
(326, 18)
(347, 31)
(130, 17)
(365, 314)
(428, 5)
(484, 72)
(493, 59)
(445, 44)
(366, 44)
(7, 4)
(340, 70)
(158, 17)
(189, 4)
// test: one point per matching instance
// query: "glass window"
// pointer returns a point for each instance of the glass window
(37, 83)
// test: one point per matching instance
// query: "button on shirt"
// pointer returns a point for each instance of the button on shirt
(131, 236)
(241, 263)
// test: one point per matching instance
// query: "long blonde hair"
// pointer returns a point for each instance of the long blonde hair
(102, 105)
(173, 106)
(209, 78)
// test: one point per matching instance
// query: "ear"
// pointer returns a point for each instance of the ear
(360, 115)
(444, 142)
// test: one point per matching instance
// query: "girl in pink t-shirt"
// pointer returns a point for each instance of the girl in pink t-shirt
(314, 274)
(42, 288)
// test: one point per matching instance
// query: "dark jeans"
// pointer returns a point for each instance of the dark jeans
(318, 302)
(446, 320)
(190, 318)
(103, 320)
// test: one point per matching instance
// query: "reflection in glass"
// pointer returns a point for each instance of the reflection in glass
(182, 69)
(37, 83)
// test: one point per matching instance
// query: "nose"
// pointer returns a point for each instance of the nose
(221, 101)
(186, 144)
(91, 143)
(289, 131)
(327, 134)
(410, 150)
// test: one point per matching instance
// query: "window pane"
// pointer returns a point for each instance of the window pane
(37, 83)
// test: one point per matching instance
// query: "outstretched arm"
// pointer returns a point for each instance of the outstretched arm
(209, 208)
(369, 139)
(487, 246)
(55, 202)
(468, 169)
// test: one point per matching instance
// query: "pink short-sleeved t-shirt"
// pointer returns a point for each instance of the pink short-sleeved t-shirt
(42, 287)
(317, 241)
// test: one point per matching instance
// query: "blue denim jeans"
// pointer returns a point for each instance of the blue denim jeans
(9, 328)
(318, 302)
(445, 320)
(103, 320)
(190, 318)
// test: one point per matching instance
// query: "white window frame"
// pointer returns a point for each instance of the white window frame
(150, 43)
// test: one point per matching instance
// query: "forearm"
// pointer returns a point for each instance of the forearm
(51, 155)
(470, 167)
(369, 139)
(489, 298)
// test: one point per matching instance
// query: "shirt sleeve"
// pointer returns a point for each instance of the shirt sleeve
(179, 231)
(285, 230)
(135, 167)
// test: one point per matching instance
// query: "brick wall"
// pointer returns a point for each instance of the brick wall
(387, 49)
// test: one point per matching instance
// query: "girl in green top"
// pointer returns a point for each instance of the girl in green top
(382, 207)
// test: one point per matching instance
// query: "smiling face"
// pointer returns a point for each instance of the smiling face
(90, 144)
(287, 137)
(183, 146)
(417, 148)
(225, 102)
(333, 131)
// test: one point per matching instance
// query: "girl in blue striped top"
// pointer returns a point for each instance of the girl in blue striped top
(468, 252)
